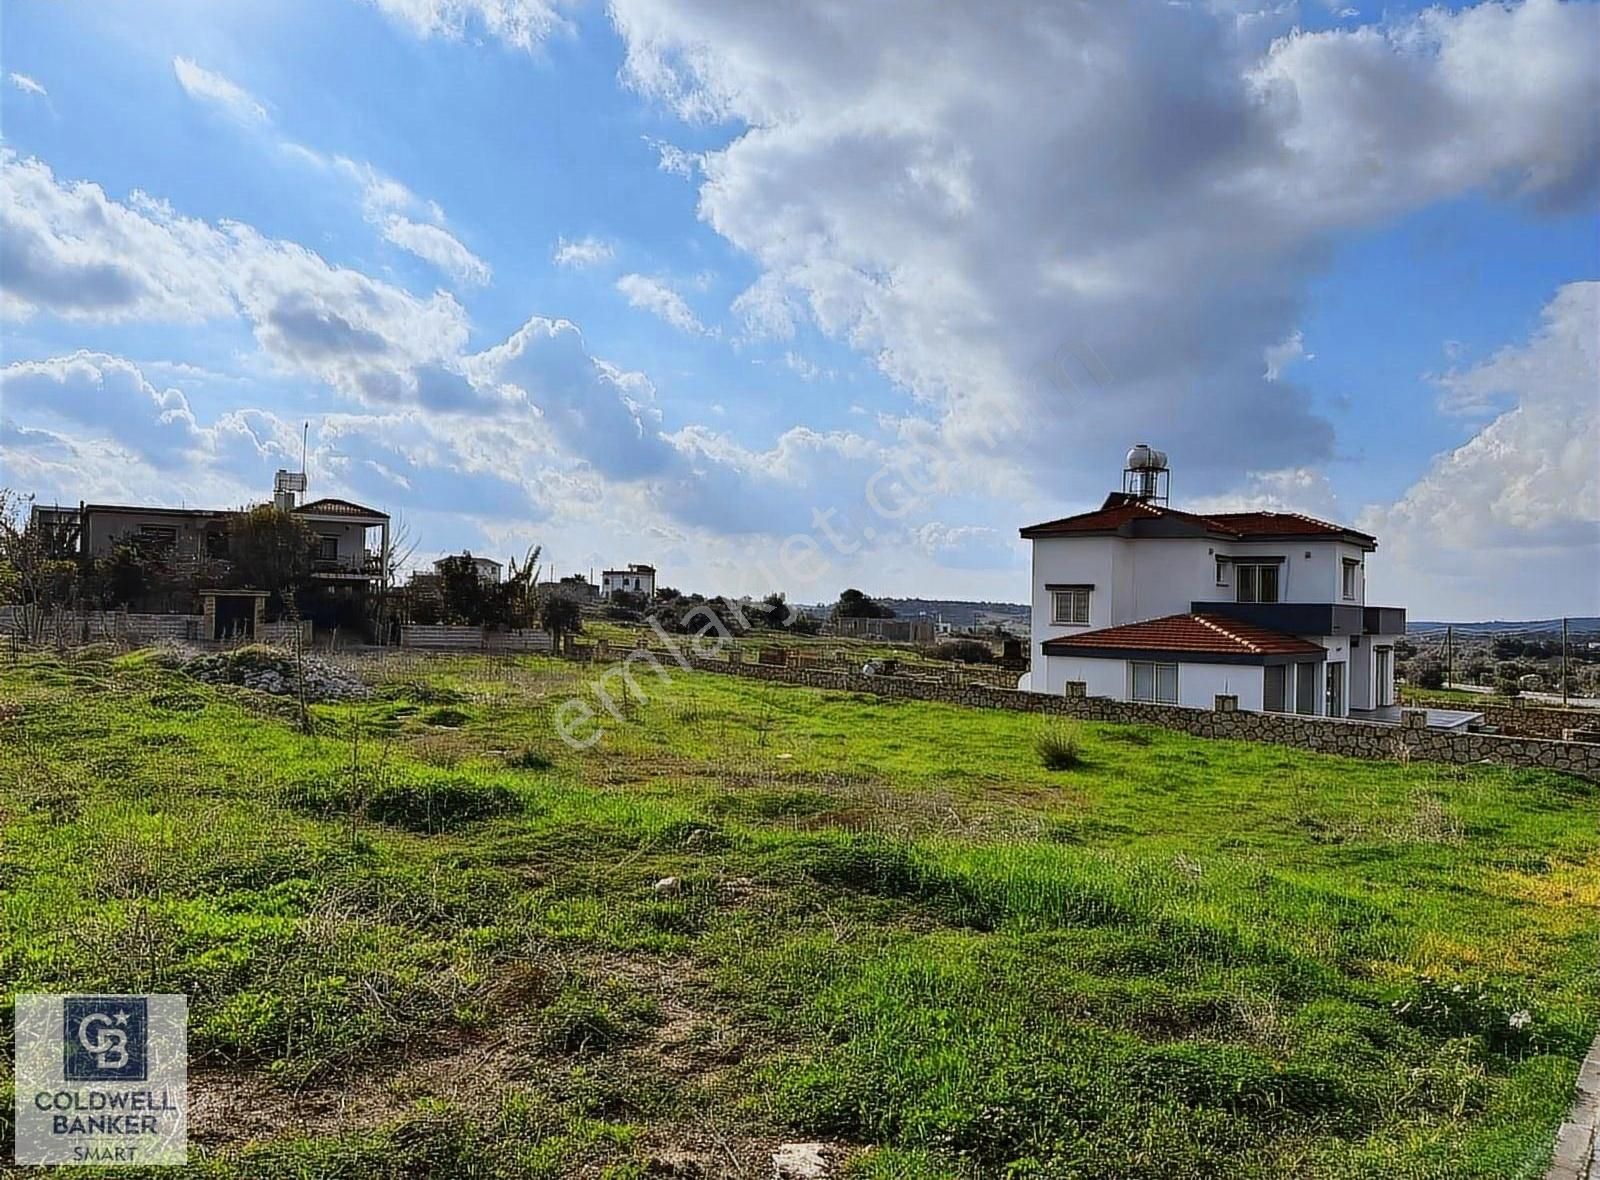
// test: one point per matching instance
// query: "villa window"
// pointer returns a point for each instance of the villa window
(1070, 607)
(1256, 582)
(1222, 571)
(1156, 683)
(1350, 573)
(327, 548)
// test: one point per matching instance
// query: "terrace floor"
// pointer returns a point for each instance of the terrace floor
(1437, 718)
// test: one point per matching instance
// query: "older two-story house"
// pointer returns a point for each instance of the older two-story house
(1140, 601)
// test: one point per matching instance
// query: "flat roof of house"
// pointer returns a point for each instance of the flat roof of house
(1127, 516)
(152, 511)
(1206, 636)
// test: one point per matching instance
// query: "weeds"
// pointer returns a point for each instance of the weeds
(1059, 748)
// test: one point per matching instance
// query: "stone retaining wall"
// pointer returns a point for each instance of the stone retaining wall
(1353, 739)
(1536, 721)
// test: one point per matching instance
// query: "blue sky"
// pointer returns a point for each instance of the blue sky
(678, 281)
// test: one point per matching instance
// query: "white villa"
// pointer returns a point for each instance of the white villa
(636, 579)
(1140, 601)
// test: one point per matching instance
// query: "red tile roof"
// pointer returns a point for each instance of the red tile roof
(1281, 524)
(1124, 514)
(1202, 634)
(331, 506)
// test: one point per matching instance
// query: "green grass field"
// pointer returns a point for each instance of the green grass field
(428, 939)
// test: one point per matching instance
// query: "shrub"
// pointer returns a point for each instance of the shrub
(529, 760)
(1058, 749)
(420, 803)
(448, 718)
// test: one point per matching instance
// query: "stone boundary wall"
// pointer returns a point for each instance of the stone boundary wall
(1352, 739)
(455, 637)
(106, 626)
(1538, 721)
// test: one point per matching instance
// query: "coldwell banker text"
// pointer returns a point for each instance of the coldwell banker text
(101, 1079)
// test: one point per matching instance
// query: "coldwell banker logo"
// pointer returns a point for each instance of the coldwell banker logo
(101, 1079)
(106, 1038)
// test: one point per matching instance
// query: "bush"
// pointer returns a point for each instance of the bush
(418, 803)
(429, 806)
(1425, 672)
(1058, 749)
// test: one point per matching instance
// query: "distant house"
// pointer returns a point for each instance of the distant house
(1140, 601)
(887, 630)
(577, 586)
(351, 541)
(487, 568)
(636, 579)
(349, 547)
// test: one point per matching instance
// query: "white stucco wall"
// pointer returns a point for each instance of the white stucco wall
(1312, 571)
(1198, 684)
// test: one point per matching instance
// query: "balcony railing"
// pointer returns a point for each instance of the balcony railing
(1311, 618)
(368, 564)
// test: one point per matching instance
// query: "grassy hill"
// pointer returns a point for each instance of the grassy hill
(431, 939)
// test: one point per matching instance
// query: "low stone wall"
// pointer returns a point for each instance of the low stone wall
(282, 633)
(1537, 720)
(452, 637)
(106, 626)
(1353, 739)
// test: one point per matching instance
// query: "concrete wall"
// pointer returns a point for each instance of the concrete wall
(102, 530)
(1355, 739)
(1198, 684)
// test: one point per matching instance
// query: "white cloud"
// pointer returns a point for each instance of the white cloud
(70, 250)
(1509, 522)
(582, 253)
(661, 301)
(393, 209)
(1305, 490)
(1278, 357)
(1100, 227)
(209, 86)
(522, 24)
(27, 85)
(673, 159)
(108, 395)
(437, 246)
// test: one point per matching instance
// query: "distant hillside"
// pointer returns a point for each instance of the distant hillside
(956, 612)
(1586, 625)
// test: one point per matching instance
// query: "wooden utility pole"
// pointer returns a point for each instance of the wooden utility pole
(1563, 662)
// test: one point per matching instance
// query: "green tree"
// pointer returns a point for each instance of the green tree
(853, 604)
(269, 550)
(466, 598)
(559, 615)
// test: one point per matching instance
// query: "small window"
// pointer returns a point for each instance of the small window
(1350, 570)
(1070, 606)
(1157, 683)
(327, 548)
(1256, 583)
(1222, 571)
(157, 534)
